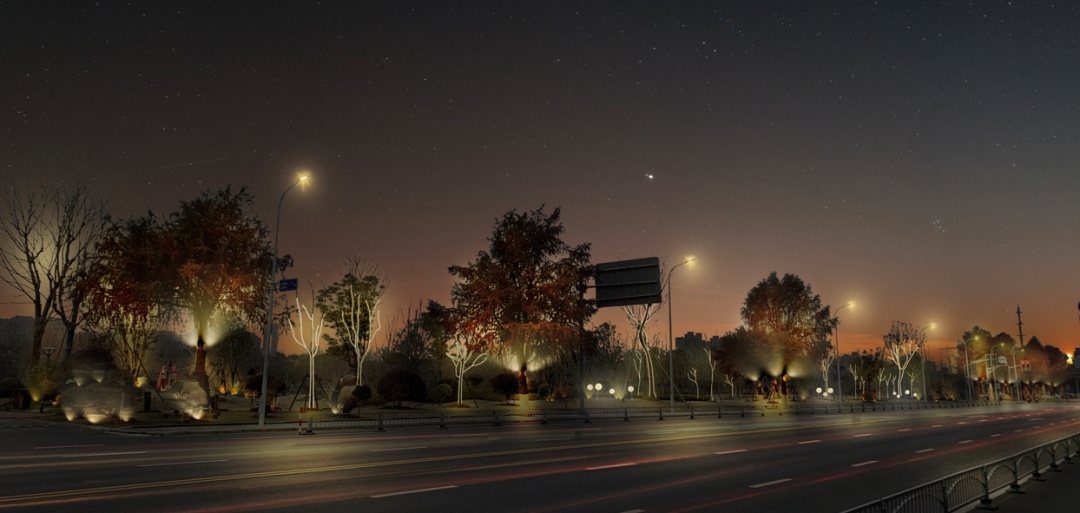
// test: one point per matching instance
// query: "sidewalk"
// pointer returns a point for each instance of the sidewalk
(1056, 493)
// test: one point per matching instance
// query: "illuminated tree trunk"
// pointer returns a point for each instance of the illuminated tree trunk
(308, 340)
(639, 317)
(464, 359)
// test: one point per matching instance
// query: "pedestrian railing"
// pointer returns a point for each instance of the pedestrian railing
(977, 484)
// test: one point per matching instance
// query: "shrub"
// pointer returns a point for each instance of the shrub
(362, 392)
(401, 385)
(505, 383)
(545, 392)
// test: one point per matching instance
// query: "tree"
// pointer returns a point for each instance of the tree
(639, 317)
(466, 352)
(351, 305)
(401, 385)
(418, 346)
(902, 343)
(525, 294)
(231, 355)
(867, 365)
(308, 339)
(790, 308)
(49, 237)
(122, 289)
(218, 260)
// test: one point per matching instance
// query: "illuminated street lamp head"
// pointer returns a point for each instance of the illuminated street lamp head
(303, 178)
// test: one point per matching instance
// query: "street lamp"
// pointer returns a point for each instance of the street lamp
(671, 341)
(836, 339)
(269, 333)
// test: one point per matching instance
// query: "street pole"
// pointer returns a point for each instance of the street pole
(836, 338)
(671, 341)
(922, 360)
(268, 334)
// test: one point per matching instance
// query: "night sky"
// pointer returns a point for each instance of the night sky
(918, 158)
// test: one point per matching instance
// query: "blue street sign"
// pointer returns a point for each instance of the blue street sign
(287, 285)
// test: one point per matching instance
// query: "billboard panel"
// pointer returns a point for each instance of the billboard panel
(628, 282)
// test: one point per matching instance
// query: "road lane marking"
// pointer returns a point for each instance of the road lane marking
(90, 491)
(809, 442)
(995, 435)
(552, 439)
(902, 430)
(1019, 430)
(179, 463)
(936, 425)
(865, 463)
(407, 492)
(770, 483)
(733, 451)
(923, 451)
(962, 423)
(615, 465)
(68, 446)
(398, 449)
(95, 454)
(634, 511)
(962, 442)
(862, 435)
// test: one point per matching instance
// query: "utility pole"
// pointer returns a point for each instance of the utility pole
(1020, 329)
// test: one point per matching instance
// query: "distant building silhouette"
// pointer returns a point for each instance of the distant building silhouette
(691, 342)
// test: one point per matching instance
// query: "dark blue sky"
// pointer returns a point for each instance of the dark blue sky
(916, 157)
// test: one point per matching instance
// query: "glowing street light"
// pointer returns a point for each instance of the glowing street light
(302, 179)
(671, 341)
(836, 338)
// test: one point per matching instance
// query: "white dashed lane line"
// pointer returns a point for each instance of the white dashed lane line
(770, 483)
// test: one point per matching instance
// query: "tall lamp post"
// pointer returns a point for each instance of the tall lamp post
(269, 332)
(671, 341)
(836, 339)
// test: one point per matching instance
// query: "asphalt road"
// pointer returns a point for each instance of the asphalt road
(821, 463)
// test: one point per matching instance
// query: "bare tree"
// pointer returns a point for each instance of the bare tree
(825, 365)
(712, 372)
(308, 339)
(465, 351)
(902, 343)
(49, 237)
(639, 317)
(692, 376)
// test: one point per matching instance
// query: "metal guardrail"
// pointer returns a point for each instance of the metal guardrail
(977, 484)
